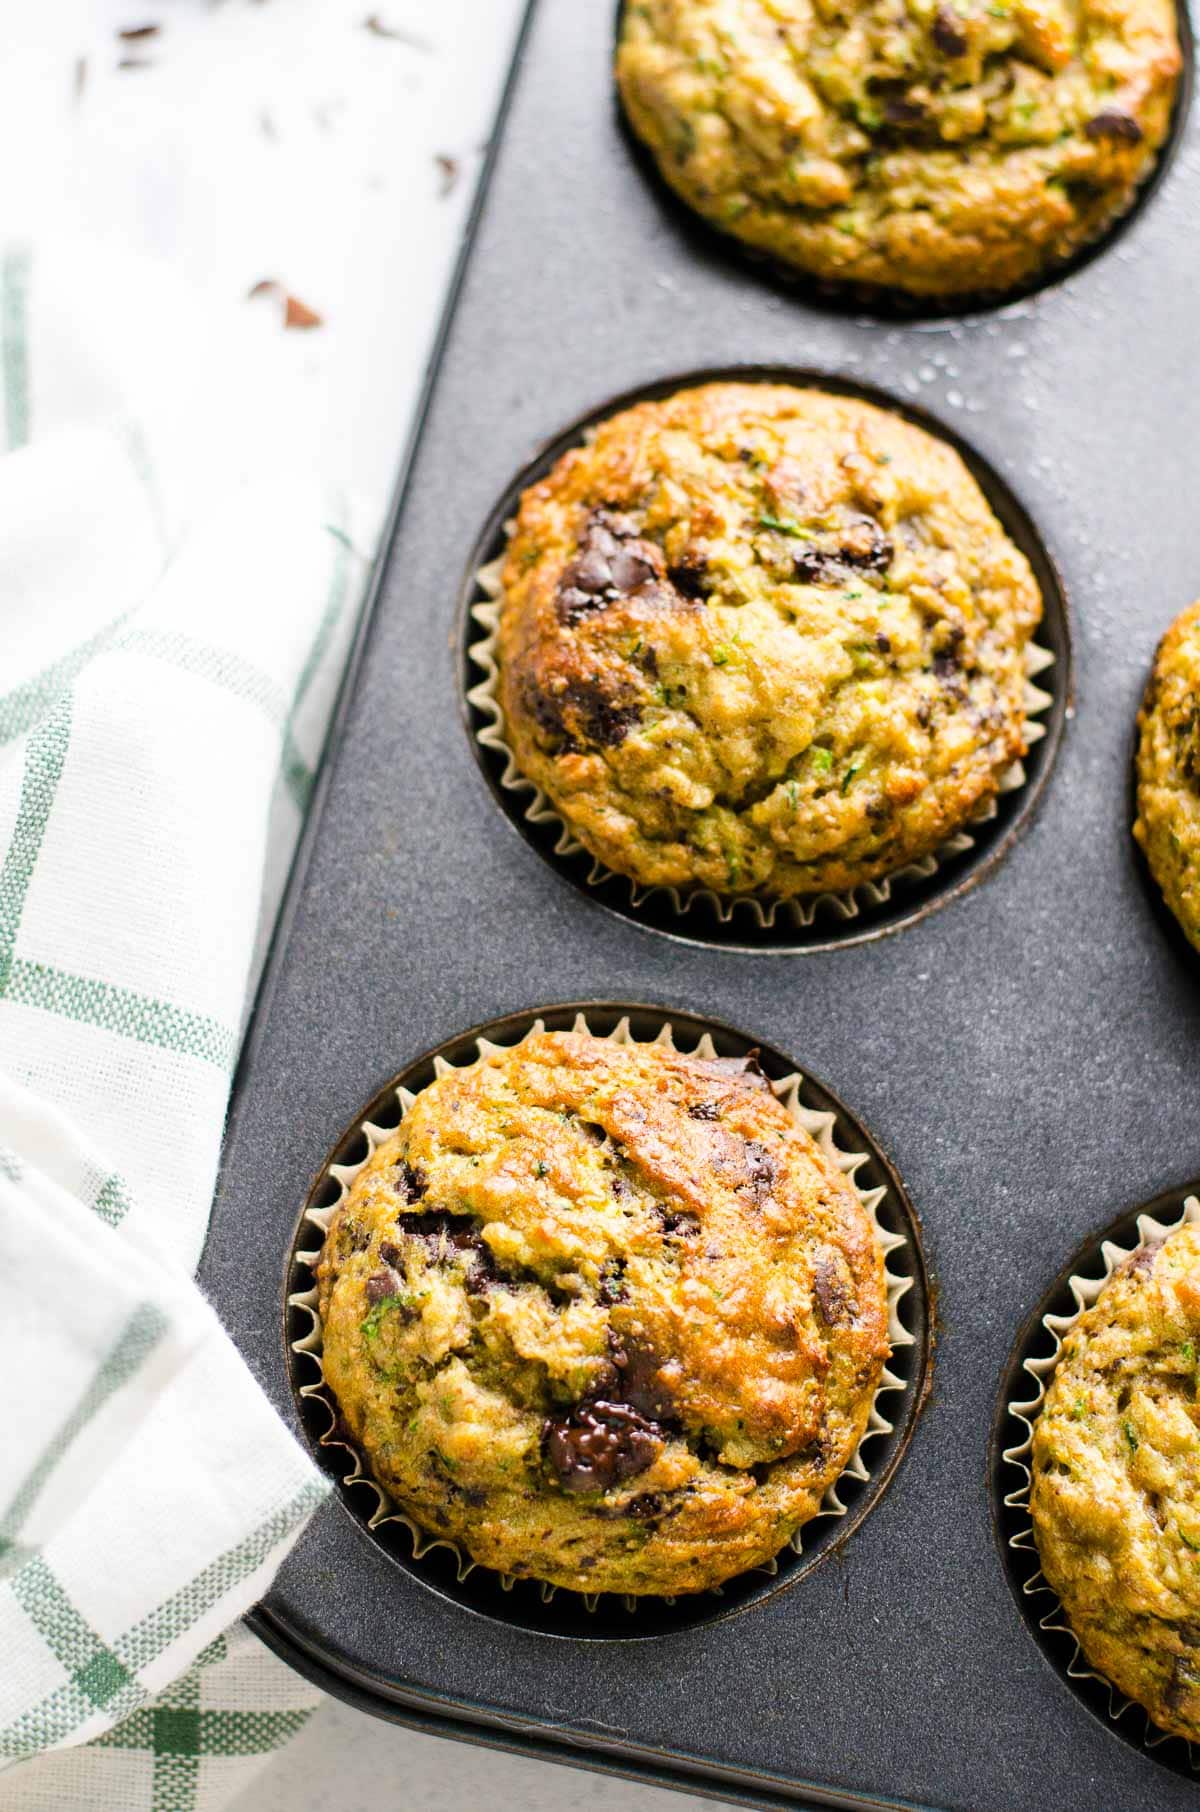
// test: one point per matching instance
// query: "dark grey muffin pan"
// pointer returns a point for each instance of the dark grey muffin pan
(1025, 1055)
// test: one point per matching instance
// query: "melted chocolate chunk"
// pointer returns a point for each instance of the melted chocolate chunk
(862, 547)
(865, 546)
(946, 660)
(677, 1220)
(391, 1255)
(1115, 125)
(747, 1067)
(639, 1382)
(900, 108)
(761, 1171)
(410, 1181)
(599, 1445)
(613, 562)
(584, 715)
(817, 566)
(380, 1285)
(949, 33)
(834, 1301)
(446, 1236)
(690, 576)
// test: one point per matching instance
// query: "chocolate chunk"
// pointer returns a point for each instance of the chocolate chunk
(946, 661)
(630, 569)
(410, 1181)
(747, 1067)
(949, 33)
(690, 575)
(613, 562)
(834, 1301)
(862, 546)
(640, 1383)
(584, 715)
(883, 642)
(1114, 124)
(677, 1220)
(391, 1255)
(901, 110)
(599, 1445)
(446, 1236)
(380, 1285)
(646, 1505)
(437, 1226)
(865, 546)
(761, 1171)
(816, 566)
(704, 1110)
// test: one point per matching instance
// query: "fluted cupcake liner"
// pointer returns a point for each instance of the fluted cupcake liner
(765, 913)
(1085, 1287)
(820, 1125)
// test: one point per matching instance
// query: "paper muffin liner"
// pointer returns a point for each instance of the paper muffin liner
(820, 1125)
(764, 913)
(1085, 1288)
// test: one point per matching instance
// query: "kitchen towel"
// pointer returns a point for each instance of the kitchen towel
(176, 598)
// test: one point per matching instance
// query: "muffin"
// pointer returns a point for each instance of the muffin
(1168, 771)
(1115, 1497)
(604, 1315)
(944, 148)
(762, 640)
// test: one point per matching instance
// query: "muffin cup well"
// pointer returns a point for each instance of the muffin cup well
(901, 1249)
(756, 915)
(1036, 1371)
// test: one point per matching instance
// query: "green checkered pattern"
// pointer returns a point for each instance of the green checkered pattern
(163, 700)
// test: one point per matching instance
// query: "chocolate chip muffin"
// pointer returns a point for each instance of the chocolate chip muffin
(604, 1315)
(943, 148)
(763, 640)
(1168, 771)
(1115, 1499)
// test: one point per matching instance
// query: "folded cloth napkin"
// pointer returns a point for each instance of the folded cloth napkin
(177, 598)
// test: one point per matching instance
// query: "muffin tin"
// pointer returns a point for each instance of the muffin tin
(1025, 1056)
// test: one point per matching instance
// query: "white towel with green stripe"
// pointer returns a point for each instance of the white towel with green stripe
(176, 598)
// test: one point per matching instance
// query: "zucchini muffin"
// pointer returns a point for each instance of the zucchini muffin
(1167, 825)
(1115, 1498)
(604, 1315)
(763, 640)
(935, 147)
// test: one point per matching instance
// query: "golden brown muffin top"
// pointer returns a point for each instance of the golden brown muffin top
(938, 147)
(1168, 771)
(1115, 1498)
(604, 1314)
(763, 640)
